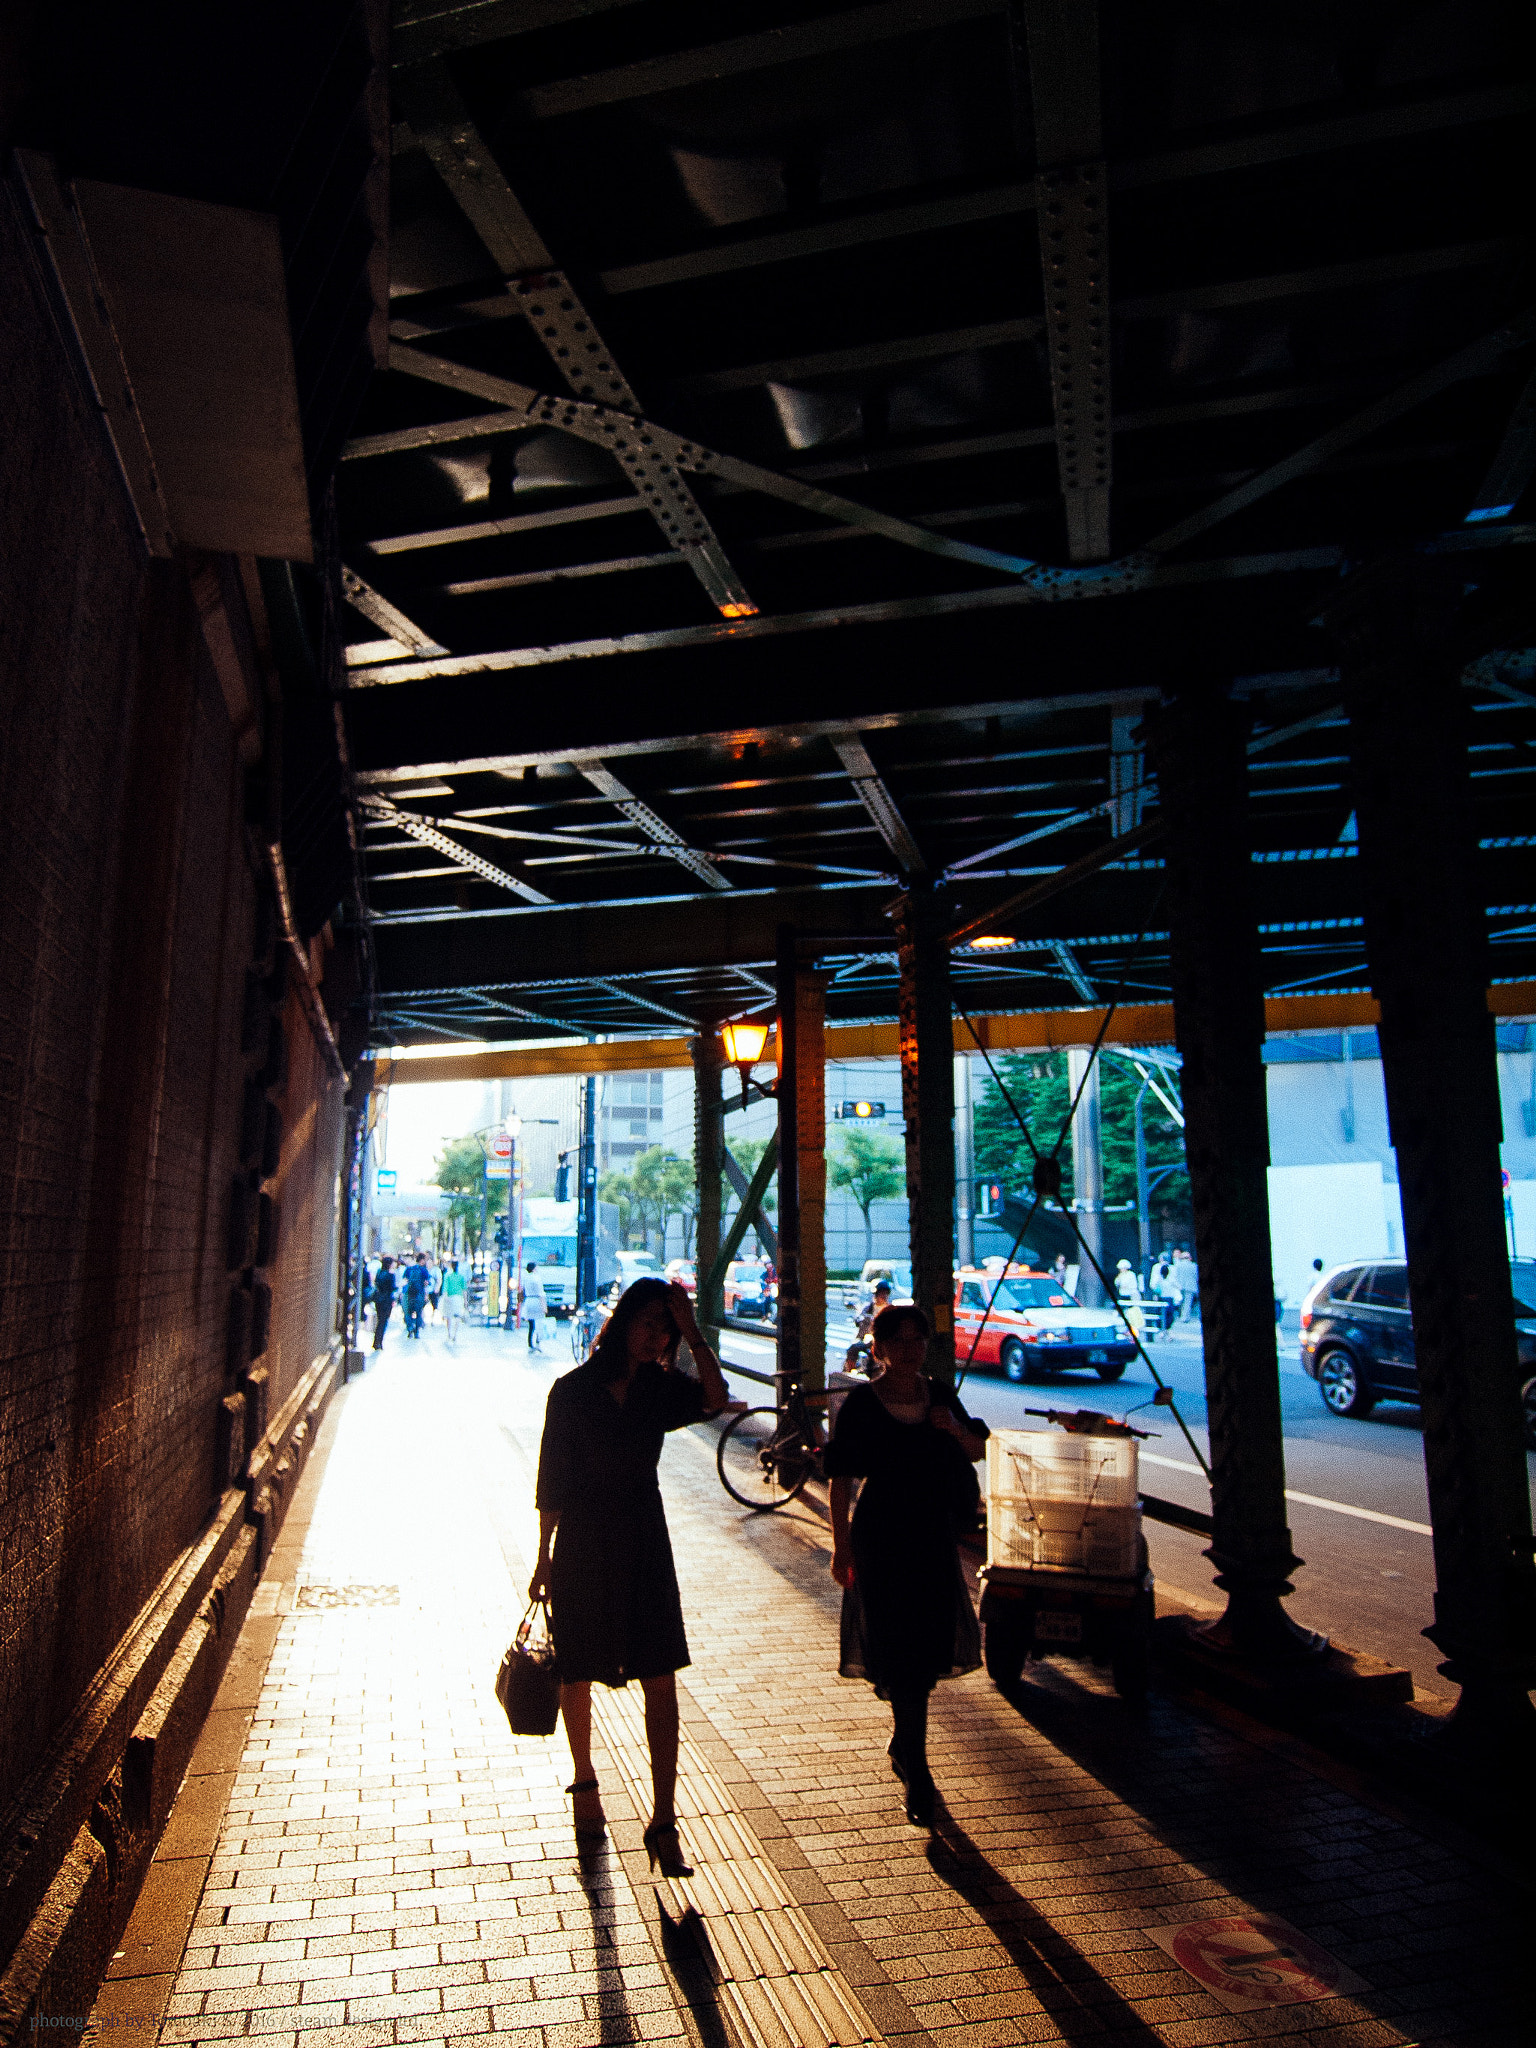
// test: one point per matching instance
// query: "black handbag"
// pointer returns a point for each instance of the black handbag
(526, 1684)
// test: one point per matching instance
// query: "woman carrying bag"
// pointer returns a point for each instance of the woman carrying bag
(907, 1614)
(605, 1558)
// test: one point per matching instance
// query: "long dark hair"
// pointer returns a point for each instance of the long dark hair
(610, 1354)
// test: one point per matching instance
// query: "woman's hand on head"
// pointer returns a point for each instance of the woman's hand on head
(681, 1304)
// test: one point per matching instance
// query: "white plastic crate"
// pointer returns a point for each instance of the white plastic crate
(1062, 1502)
(1050, 1464)
(1064, 1536)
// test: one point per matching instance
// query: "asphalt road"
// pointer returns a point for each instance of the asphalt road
(1363, 1529)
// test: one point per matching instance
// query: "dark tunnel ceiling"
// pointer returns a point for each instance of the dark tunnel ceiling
(1116, 348)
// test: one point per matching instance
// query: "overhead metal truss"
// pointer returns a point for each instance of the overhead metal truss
(828, 375)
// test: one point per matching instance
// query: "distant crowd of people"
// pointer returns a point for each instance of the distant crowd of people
(421, 1288)
(426, 1290)
(1174, 1280)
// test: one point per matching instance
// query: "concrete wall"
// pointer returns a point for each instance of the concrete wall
(167, 1247)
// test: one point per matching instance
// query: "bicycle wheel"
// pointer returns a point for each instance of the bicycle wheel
(764, 1460)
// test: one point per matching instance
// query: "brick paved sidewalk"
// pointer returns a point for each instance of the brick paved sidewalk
(393, 1867)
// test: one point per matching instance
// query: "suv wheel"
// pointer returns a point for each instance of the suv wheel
(1528, 1401)
(1338, 1381)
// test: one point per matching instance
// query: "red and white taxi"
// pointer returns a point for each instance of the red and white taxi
(1027, 1325)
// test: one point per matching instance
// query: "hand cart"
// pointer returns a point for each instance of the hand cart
(1066, 1572)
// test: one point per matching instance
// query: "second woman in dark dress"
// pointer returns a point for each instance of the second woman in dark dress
(605, 1558)
(907, 1614)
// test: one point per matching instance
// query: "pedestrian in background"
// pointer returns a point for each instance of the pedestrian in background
(453, 1299)
(605, 1558)
(907, 1616)
(1128, 1294)
(383, 1299)
(1186, 1277)
(535, 1304)
(415, 1296)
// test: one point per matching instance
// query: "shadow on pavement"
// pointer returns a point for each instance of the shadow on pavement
(686, 1946)
(597, 1866)
(1083, 2005)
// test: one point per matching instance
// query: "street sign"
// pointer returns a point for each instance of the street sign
(498, 1157)
(386, 1180)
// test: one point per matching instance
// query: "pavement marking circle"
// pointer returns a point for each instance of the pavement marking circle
(1306, 1500)
(1251, 1964)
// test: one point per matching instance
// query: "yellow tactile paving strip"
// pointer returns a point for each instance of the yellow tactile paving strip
(782, 1988)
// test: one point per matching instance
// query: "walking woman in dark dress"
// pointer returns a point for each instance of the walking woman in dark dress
(907, 1614)
(605, 1559)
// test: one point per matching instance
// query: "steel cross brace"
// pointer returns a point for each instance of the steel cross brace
(638, 443)
(427, 833)
(453, 144)
(661, 835)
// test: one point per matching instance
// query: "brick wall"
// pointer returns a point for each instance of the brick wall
(129, 888)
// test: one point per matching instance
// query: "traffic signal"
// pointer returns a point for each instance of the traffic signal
(860, 1110)
(563, 1178)
(502, 1239)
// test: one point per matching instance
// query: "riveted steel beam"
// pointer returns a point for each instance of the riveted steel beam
(557, 317)
(380, 612)
(651, 455)
(880, 804)
(423, 830)
(661, 835)
(1063, 37)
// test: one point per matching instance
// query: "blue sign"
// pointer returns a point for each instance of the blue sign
(385, 1180)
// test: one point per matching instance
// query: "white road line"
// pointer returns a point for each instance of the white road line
(1306, 1500)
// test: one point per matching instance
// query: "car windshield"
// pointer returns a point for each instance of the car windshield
(1031, 1291)
(1522, 1276)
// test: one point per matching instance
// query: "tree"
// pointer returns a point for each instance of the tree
(461, 1174)
(664, 1186)
(748, 1153)
(870, 1169)
(619, 1189)
(1037, 1081)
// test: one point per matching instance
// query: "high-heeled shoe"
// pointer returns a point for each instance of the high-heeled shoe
(663, 1846)
(589, 1826)
(920, 1794)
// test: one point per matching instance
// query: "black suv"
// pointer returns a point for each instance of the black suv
(1357, 1337)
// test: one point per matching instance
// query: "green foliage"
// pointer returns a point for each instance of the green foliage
(664, 1186)
(657, 1186)
(748, 1153)
(461, 1174)
(1037, 1081)
(619, 1189)
(871, 1168)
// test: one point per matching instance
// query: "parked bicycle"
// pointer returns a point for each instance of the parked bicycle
(766, 1455)
(584, 1326)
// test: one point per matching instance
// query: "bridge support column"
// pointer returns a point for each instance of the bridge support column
(1218, 999)
(1426, 944)
(927, 1044)
(802, 1263)
(709, 1166)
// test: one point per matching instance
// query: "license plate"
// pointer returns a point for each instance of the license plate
(1098, 1358)
(1054, 1627)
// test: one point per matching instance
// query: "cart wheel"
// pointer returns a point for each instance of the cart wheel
(1131, 1662)
(1008, 1635)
